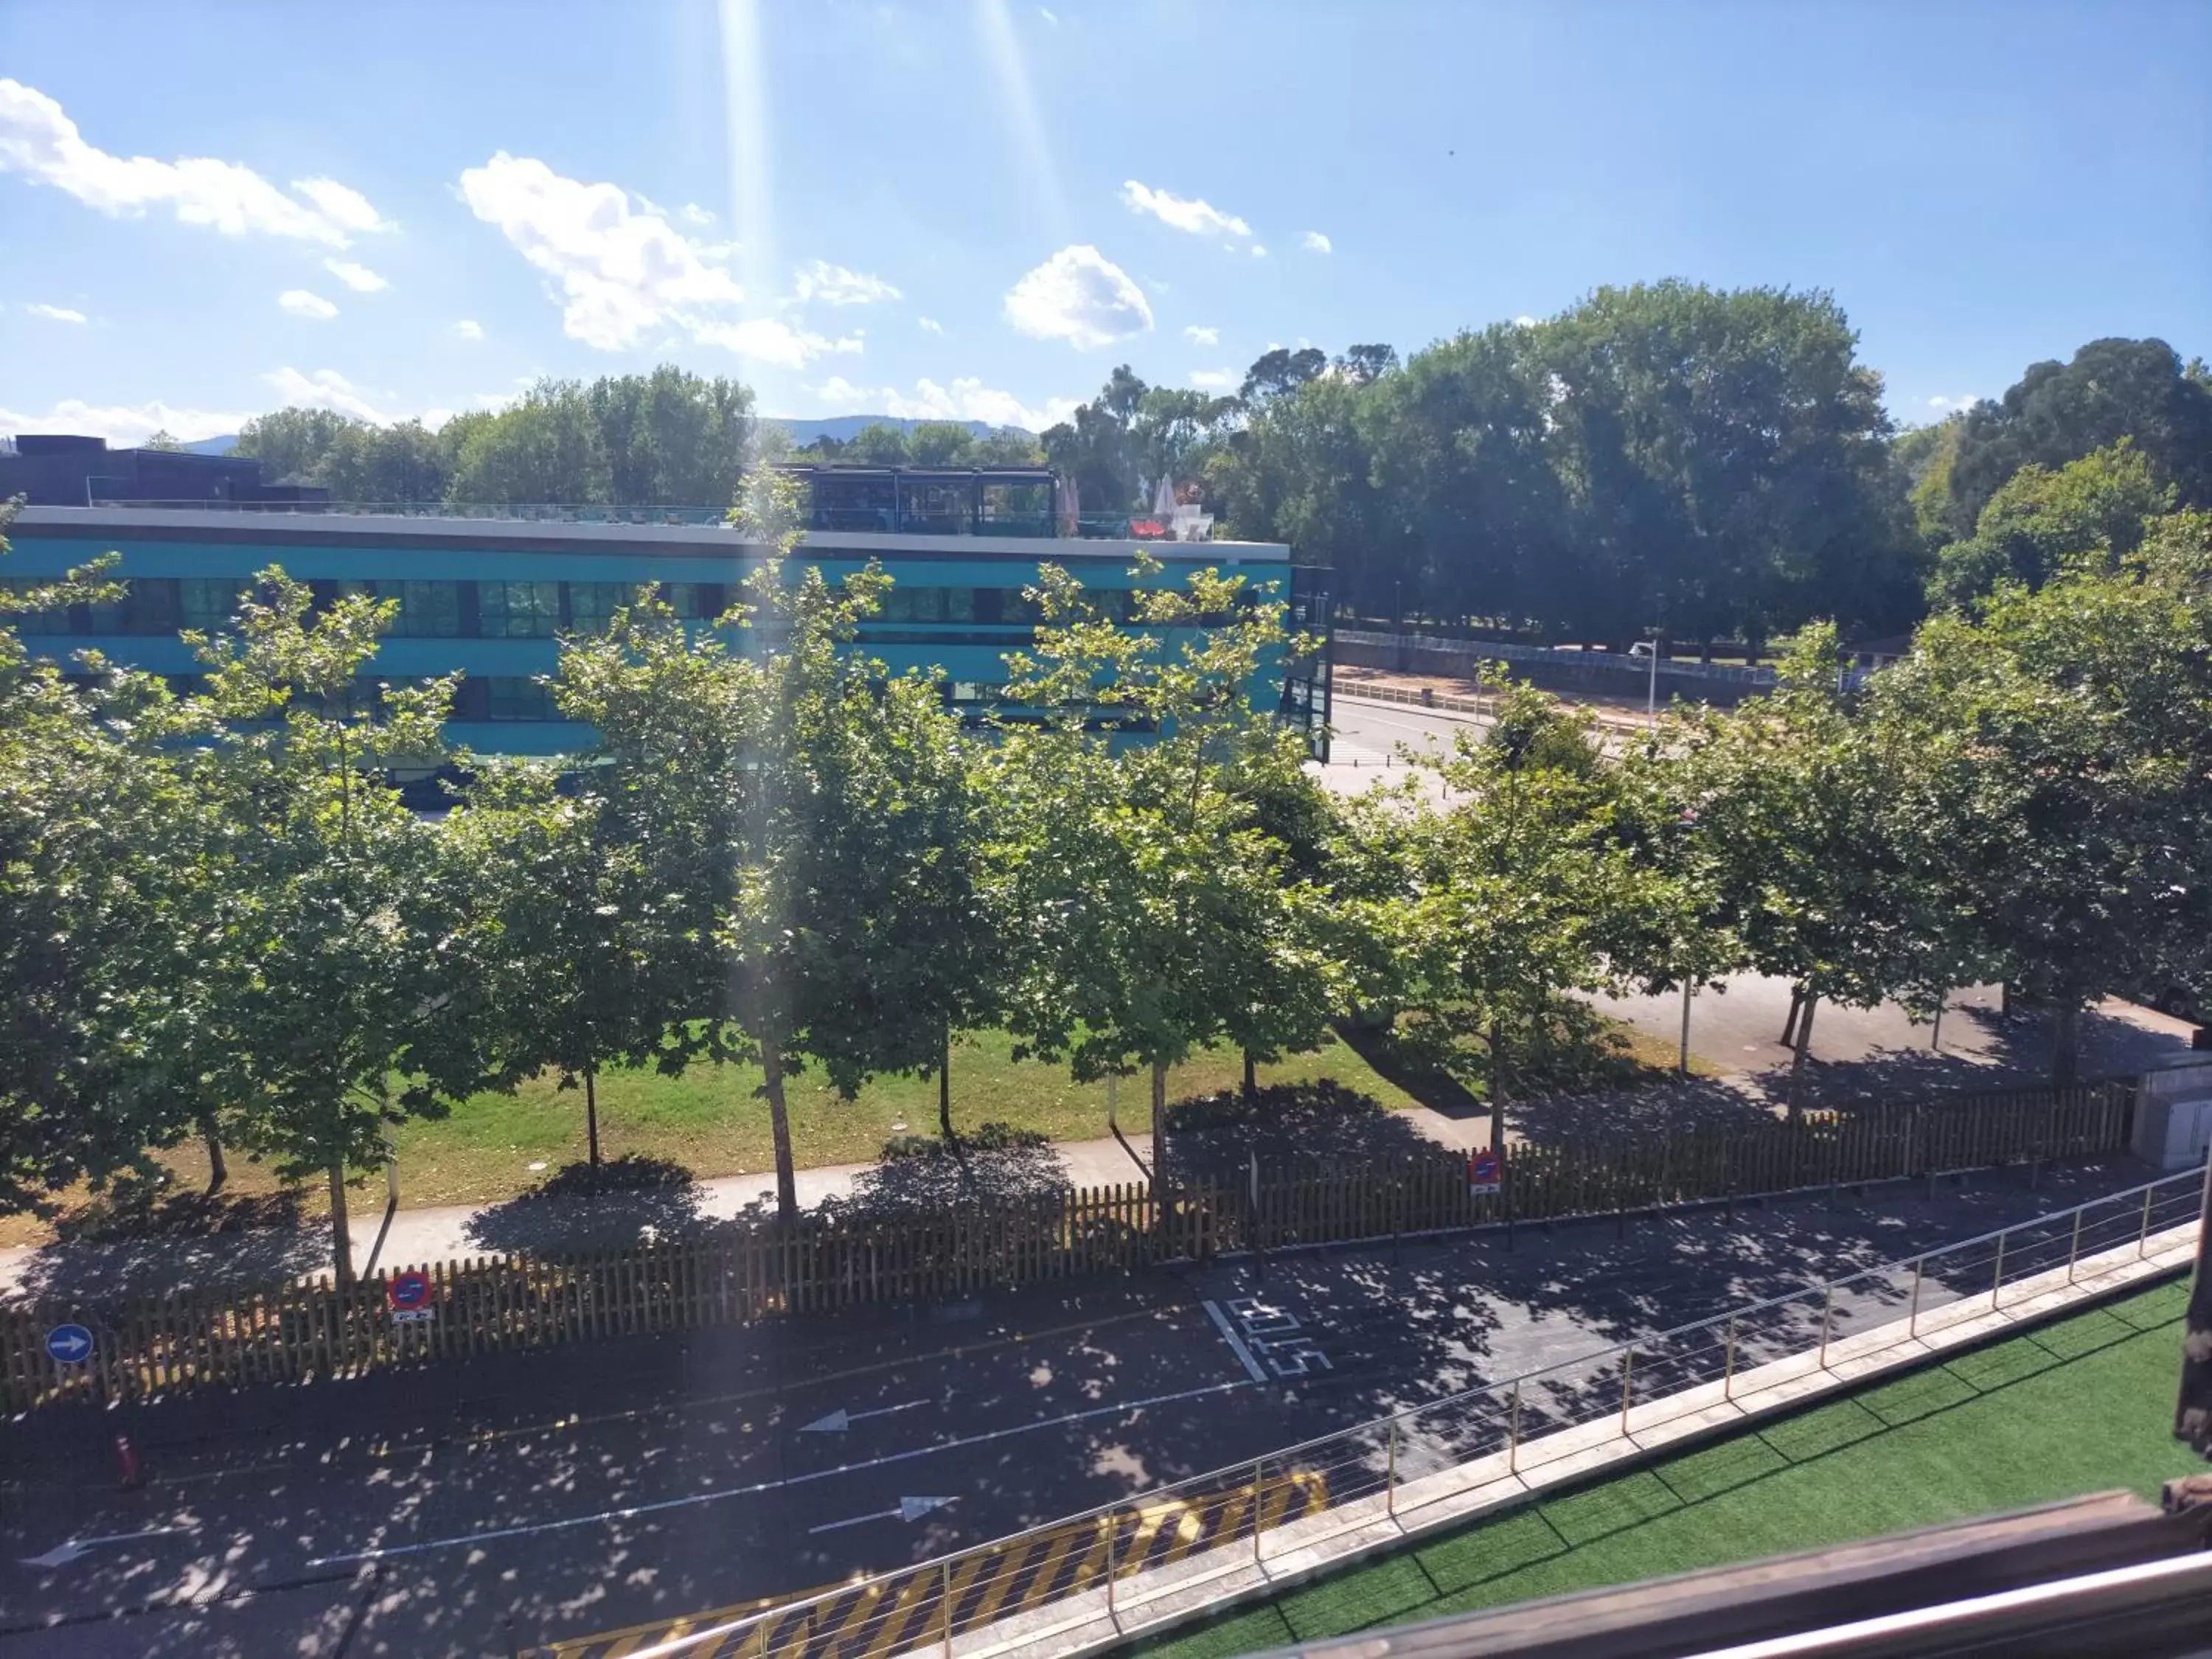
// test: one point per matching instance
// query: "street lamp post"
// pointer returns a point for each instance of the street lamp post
(1651, 695)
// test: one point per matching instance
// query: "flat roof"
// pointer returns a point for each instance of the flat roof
(283, 525)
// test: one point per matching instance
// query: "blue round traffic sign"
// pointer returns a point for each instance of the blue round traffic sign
(409, 1291)
(69, 1344)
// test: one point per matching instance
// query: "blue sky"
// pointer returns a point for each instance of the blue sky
(975, 207)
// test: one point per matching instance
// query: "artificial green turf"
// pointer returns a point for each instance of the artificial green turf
(2084, 1405)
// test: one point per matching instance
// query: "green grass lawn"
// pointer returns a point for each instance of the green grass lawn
(2084, 1405)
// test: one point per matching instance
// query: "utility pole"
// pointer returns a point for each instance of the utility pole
(2192, 1411)
(1651, 697)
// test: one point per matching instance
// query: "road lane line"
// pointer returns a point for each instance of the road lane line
(1236, 1342)
(631, 1512)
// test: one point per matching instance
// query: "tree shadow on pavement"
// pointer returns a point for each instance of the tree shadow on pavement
(143, 1238)
(993, 1167)
(631, 1199)
(2007, 1051)
(1215, 1136)
(1654, 1108)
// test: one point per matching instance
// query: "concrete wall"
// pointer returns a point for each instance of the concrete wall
(1601, 678)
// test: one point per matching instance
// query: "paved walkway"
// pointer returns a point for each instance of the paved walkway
(447, 1232)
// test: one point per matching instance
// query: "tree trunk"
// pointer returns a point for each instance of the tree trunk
(2192, 1411)
(341, 1229)
(1251, 1079)
(2066, 1041)
(1159, 1126)
(779, 1119)
(944, 1087)
(592, 1111)
(1797, 1059)
(218, 1169)
(1790, 1025)
(1497, 1073)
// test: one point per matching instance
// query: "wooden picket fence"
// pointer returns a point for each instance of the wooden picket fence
(307, 1329)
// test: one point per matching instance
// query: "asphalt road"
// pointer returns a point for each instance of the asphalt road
(520, 1498)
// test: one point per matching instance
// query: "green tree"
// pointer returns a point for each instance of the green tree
(291, 443)
(1522, 880)
(877, 444)
(2058, 412)
(941, 443)
(568, 946)
(1148, 912)
(546, 447)
(1726, 455)
(329, 1013)
(808, 817)
(673, 438)
(1795, 799)
(2039, 521)
(2059, 743)
(99, 855)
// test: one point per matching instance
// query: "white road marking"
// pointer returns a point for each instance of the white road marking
(492, 1535)
(68, 1551)
(1236, 1342)
(838, 1420)
(909, 1509)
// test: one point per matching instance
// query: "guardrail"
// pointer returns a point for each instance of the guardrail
(937, 1600)
(1505, 651)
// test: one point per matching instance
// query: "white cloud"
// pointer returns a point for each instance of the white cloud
(1525, 321)
(1259, 251)
(620, 272)
(56, 313)
(834, 285)
(301, 303)
(1081, 296)
(1199, 218)
(929, 325)
(468, 329)
(38, 140)
(126, 426)
(1313, 242)
(695, 214)
(771, 340)
(1213, 380)
(360, 278)
(324, 389)
(1049, 15)
(341, 204)
(966, 399)
(1199, 336)
(1967, 401)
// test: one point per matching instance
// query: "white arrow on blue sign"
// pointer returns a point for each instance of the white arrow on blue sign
(69, 1344)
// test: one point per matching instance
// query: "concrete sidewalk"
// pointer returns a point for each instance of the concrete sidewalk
(448, 1232)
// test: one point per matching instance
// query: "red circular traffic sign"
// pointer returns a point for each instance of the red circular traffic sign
(408, 1290)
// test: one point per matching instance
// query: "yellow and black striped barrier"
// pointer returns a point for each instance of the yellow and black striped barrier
(899, 1611)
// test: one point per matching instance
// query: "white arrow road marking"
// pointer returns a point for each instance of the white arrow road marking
(841, 1419)
(63, 1554)
(910, 1509)
(632, 1511)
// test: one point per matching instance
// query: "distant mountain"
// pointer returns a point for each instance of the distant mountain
(221, 445)
(845, 428)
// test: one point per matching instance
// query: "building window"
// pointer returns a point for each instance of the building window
(53, 620)
(519, 611)
(209, 603)
(510, 697)
(427, 610)
(912, 604)
(695, 601)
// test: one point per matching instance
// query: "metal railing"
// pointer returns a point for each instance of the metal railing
(1505, 651)
(943, 1597)
(1091, 526)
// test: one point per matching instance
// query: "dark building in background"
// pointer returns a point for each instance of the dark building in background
(60, 469)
